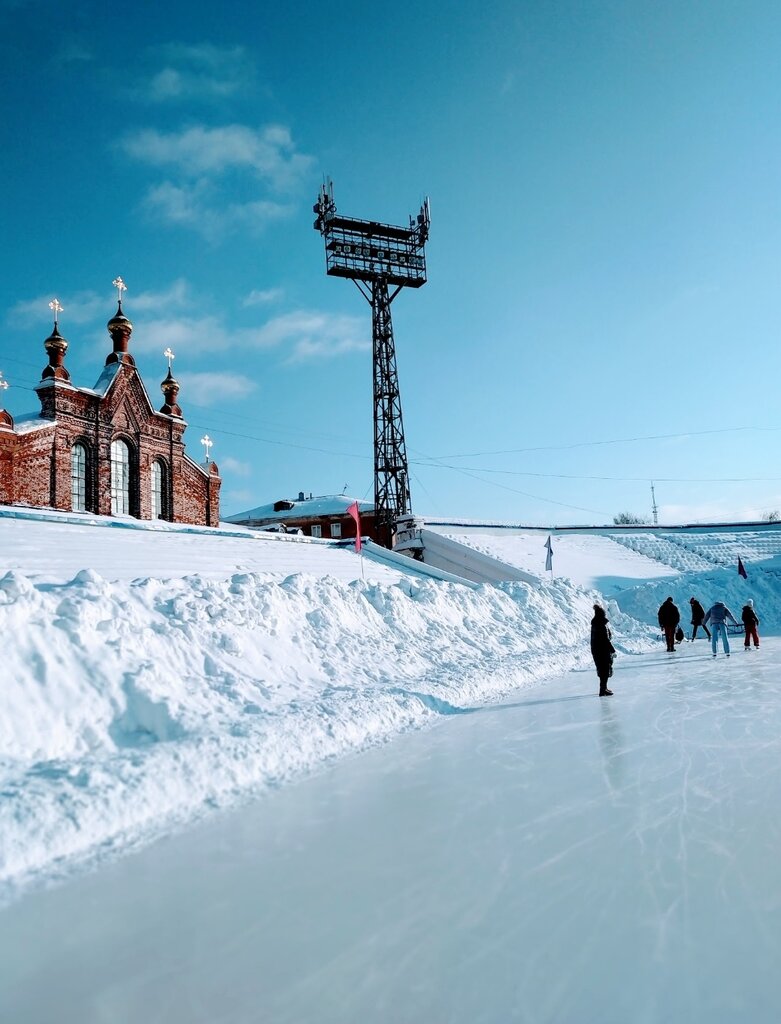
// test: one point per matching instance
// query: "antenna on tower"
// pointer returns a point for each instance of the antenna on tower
(378, 257)
(654, 507)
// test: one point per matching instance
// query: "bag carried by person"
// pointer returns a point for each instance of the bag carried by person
(678, 635)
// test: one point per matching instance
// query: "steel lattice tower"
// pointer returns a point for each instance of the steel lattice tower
(378, 258)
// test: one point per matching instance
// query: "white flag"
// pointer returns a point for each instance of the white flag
(549, 556)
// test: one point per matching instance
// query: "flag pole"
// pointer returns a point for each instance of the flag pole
(549, 556)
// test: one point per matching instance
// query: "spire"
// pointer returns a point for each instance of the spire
(120, 329)
(6, 419)
(56, 346)
(170, 388)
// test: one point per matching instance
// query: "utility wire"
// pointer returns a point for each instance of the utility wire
(435, 462)
(592, 444)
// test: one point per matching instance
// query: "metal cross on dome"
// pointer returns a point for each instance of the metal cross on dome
(56, 308)
(169, 356)
(207, 443)
(120, 286)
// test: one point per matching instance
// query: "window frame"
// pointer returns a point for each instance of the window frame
(79, 479)
(161, 466)
(120, 488)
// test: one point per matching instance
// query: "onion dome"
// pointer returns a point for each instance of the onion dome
(56, 346)
(120, 329)
(170, 388)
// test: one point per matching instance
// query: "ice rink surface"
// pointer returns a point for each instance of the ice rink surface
(557, 858)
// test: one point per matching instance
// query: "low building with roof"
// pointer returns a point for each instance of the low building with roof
(324, 516)
(106, 449)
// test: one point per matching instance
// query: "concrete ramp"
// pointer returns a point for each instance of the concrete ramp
(450, 556)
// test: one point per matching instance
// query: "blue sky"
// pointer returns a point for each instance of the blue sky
(603, 261)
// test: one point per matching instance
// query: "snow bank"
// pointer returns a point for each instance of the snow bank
(763, 587)
(127, 707)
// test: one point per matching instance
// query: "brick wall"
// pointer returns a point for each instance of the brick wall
(35, 466)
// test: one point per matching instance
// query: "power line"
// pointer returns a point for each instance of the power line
(616, 479)
(593, 444)
(435, 462)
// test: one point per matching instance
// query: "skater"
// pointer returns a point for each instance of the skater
(669, 617)
(750, 623)
(698, 617)
(718, 615)
(602, 649)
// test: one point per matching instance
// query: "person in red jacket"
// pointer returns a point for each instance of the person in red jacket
(750, 623)
(669, 617)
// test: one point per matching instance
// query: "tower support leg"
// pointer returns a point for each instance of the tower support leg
(391, 470)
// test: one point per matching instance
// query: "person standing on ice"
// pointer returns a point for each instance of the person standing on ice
(698, 617)
(750, 623)
(718, 616)
(669, 617)
(602, 649)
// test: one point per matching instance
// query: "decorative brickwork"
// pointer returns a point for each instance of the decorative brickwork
(105, 449)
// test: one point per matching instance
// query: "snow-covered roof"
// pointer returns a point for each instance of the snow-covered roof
(104, 381)
(321, 505)
(30, 421)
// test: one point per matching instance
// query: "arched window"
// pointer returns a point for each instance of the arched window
(78, 478)
(159, 490)
(120, 478)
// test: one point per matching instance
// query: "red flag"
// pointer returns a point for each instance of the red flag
(353, 511)
(742, 569)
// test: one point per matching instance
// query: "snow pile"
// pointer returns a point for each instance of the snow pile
(763, 587)
(589, 560)
(129, 706)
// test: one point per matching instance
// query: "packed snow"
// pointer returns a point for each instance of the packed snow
(129, 705)
(153, 674)
(554, 858)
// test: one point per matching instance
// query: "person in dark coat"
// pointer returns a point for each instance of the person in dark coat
(750, 623)
(602, 649)
(669, 617)
(698, 617)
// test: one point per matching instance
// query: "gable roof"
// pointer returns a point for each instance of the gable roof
(321, 505)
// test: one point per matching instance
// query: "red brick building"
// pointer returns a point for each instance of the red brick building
(105, 449)
(323, 516)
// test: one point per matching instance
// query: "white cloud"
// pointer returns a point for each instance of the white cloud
(230, 465)
(197, 207)
(261, 297)
(200, 71)
(188, 337)
(198, 151)
(308, 349)
(213, 387)
(87, 306)
(309, 334)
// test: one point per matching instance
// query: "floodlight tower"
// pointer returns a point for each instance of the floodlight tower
(381, 259)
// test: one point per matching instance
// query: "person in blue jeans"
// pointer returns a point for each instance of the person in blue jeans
(717, 616)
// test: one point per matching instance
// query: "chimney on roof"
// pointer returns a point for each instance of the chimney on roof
(301, 496)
